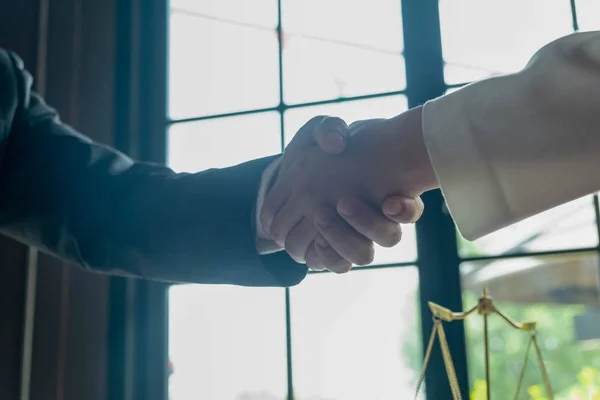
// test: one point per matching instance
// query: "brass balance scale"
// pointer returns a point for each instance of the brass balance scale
(485, 308)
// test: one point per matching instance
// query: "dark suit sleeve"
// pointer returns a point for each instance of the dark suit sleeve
(91, 205)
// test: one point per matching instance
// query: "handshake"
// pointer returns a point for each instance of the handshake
(327, 204)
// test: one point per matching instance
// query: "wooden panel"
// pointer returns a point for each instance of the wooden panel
(70, 343)
(50, 296)
(70, 340)
(12, 295)
(19, 28)
(18, 32)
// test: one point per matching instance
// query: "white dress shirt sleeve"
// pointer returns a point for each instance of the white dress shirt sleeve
(509, 147)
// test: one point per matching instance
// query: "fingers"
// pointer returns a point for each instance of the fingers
(402, 209)
(369, 222)
(330, 258)
(286, 219)
(342, 238)
(363, 222)
(299, 240)
(320, 256)
(313, 261)
(300, 244)
(330, 134)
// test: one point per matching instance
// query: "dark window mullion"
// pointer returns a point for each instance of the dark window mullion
(524, 254)
(282, 107)
(172, 122)
(372, 267)
(574, 16)
(437, 247)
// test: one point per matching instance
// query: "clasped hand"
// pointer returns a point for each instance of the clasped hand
(338, 191)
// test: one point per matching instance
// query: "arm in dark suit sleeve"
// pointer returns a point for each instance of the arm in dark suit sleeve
(93, 206)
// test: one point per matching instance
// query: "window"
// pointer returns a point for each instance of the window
(331, 49)
(348, 335)
(544, 268)
(570, 226)
(486, 38)
(239, 89)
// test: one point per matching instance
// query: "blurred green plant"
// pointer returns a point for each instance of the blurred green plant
(573, 370)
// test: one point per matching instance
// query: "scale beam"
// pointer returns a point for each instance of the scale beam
(485, 307)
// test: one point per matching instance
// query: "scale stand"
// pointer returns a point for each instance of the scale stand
(485, 307)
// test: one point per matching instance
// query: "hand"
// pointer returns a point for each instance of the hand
(365, 220)
(331, 134)
(348, 240)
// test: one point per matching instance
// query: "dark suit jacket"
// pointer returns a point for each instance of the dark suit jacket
(93, 206)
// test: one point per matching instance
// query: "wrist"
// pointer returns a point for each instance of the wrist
(411, 151)
(268, 177)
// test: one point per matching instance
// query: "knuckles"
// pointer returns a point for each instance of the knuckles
(390, 236)
(366, 257)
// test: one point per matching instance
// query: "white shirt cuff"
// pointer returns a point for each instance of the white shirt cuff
(264, 244)
(473, 194)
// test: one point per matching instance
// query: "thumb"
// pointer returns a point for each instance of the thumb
(329, 133)
(403, 210)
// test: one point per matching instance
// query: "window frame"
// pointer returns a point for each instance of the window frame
(438, 257)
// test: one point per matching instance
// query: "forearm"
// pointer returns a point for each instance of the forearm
(513, 146)
(414, 162)
(97, 208)
(93, 206)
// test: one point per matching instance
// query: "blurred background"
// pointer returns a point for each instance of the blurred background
(198, 84)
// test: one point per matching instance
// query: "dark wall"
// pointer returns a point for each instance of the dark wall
(99, 63)
(69, 345)
(12, 294)
(18, 32)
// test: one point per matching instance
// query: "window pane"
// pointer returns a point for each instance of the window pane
(588, 14)
(356, 336)
(227, 342)
(559, 293)
(218, 66)
(223, 142)
(255, 12)
(341, 48)
(572, 225)
(484, 38)
(350, 111)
